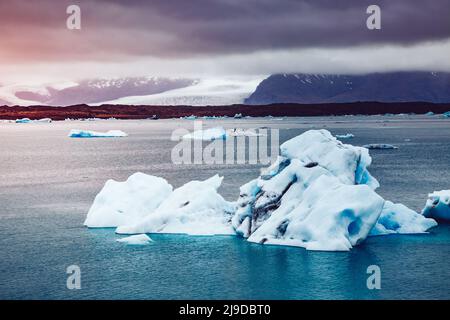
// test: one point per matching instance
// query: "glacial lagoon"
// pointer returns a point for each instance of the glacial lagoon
(48, 182)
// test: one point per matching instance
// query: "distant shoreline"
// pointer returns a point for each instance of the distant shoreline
(165, 112)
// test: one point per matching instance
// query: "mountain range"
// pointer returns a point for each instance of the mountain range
(380, 87)
(431, 87)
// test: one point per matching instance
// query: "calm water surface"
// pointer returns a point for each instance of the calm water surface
(48, 181)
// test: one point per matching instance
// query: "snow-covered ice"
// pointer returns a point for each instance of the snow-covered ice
(438, 205)
(210, 134)
(138, 239)
(119, 203)
(397, 218)
(379, 146)
(195, 208)
(94, 134)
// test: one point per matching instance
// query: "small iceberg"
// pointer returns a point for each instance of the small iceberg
(94, 134)
(380, 146)
(211, 134)
(24, 120)
(238, 116)
(191, 117)
(345, 136)
(429, 113)
(236, 132)
(438, 205)
(138, 239)
(446, 114)
(44, 120)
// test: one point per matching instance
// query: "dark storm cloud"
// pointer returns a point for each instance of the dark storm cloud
(35, 30)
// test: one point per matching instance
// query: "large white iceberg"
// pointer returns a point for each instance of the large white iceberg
(438, 205)
(195, 208)
(119, 203)
(94, 134)
(319, 195)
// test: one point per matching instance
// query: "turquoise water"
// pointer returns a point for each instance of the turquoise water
(48, 182)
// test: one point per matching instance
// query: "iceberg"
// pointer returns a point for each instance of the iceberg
(24, 120)
(138, 239)
(438, 205)
(195, 208)
(125, 202)
(236, 132)
(94, 134)
(379, 146)
(446, 114)
(211, 134)
(319, 195)
(345, 136)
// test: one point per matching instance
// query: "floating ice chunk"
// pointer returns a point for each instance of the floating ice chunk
(319, 195)
(24, 120)
(236, 132)
(345, 136)
(438, 205)
(238, 116)
(346, 162)
(191, 117)
(195, 208)
(138, 239)
(44, 120)
(446, 114)
(379, 146)
(327, 215)
(119, 203)
(217, 133)
(397, 218)
(94, 134)
(429, 113)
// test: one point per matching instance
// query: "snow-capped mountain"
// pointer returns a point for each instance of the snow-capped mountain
(134, 91)
(88, 91)
(381, 87)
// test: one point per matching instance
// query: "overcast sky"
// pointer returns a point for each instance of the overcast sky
(219, 38)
